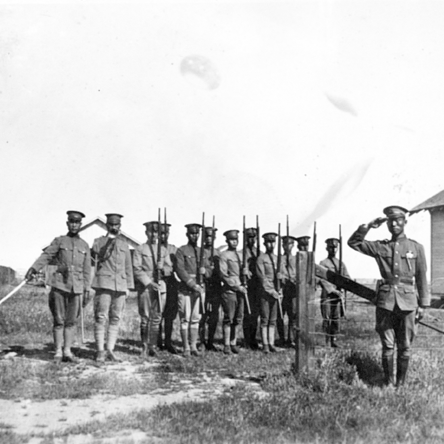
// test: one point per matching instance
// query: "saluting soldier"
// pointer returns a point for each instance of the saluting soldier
(288, 272)
(266, 268)
(112, 282)
(251, 320)
(171, 304)
(402, 294)
(230, 267)
(151, 291)
(213, 292)
(191, 294)
(71, 279)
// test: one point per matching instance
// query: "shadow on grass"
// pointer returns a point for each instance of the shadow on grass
(368, 368)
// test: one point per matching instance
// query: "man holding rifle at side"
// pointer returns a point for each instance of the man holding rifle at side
(192, 266)
(151, 290)
(234, 292)
(269, 276)
(402, 293)
(70, 281)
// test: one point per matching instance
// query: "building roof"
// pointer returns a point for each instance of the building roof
(102, 224)
(432, 203)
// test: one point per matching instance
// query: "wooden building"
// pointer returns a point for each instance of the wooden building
(435, 206)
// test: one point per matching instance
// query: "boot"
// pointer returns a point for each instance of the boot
(212, 327)
(58, 344)
(201, 330)
(271, 335)
(113, 331)
(281, 332)
(227, 333)
(69, 339)
(159, 338)
(334, 342)
(99, 335)
(168, 335)
(233, 339)
(264, 334)
(153, 335)
(387, 366)
(401, 370)
(144, 335)
(194, 333)
(185, 344)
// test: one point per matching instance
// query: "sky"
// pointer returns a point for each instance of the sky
(324, 111)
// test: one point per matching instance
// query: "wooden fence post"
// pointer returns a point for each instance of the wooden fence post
(305, 310)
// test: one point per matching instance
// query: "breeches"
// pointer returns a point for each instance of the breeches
(189, 313)
(64, 308)
(149, 309)
(396, 327)
(269, 309)
(108, 304)
(233, 306)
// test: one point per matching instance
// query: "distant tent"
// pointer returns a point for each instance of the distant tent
(435, 206)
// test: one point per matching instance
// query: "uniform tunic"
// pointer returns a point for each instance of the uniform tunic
(403, 287)
(266, 273)
(72, 276)
(230, 269)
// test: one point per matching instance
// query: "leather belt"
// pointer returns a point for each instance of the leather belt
(397, 281)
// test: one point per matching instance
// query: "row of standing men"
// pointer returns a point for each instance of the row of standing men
(184, 281)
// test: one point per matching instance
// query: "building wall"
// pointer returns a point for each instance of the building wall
(437, 251)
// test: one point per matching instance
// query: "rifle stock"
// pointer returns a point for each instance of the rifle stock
(159, 255)
(278, 270)
(199, 276)
(244, 265)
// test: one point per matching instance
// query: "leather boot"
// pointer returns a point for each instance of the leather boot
(401, 370)
(168, 335)
(58, 344)
(387, 366)
(113, 331)
(153, 335)
(233, 339)
(271, 335)
(185, 344)
(194, 333)
(69, 339)
(281, 332)
(264, 334)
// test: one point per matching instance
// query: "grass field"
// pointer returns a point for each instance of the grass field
(340, 400)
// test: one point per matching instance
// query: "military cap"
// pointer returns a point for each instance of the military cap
(232, 234)
(288, 238)
(113, 217)
(395, 211)
(153, 225)
(75, 215)
(193, 228)
(209, 231)
(251, 232)
(165, 227)
(332, 241)
(302, 240)
(270, 236)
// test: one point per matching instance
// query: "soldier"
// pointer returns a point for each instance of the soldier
(303, 242)
(151, 292)
(251, 320)
(213, 292)
(402, 265)
(332, 297)
(234, 292)
(71, 279)
(288, 271)
(171, 304)
(267, 273)
(191, 295)
(112, 281)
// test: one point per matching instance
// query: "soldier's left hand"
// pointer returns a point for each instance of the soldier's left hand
(202, 270)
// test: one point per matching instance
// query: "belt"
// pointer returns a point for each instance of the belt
(400, 280)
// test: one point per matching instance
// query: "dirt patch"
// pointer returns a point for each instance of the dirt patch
(27, 416)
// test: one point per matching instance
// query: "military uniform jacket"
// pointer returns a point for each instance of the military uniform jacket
(114, 269)
(72, 258)
(288, 269)
(145, 263)
(402, 265)
(186, 266)
(333, 265)
(266, 271)
(230, 269)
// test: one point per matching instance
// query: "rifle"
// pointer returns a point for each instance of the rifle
(166, 227)
(313, 248)
(287, 253)
(159, 255)
(258, 236)
(278, 269)
(199, 276)
(244, 265)
(213, 235)
(340, 264)
(11, 293)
